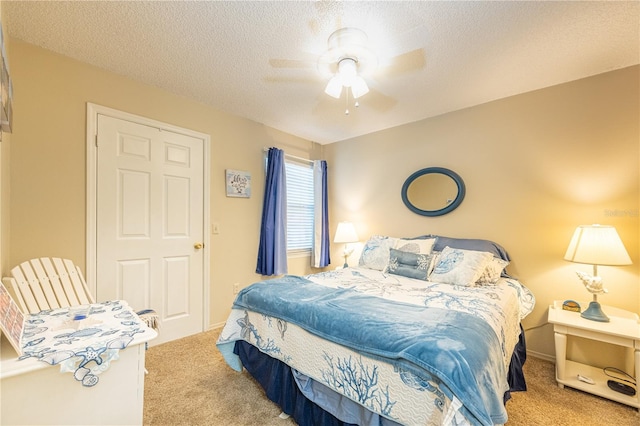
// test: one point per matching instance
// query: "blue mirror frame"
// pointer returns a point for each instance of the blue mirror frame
(441, 170)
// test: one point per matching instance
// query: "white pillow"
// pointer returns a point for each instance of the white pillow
(418, 246)
(460, 267)
(375, 253)
(493, 271)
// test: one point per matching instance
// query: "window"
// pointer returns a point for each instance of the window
(300, 207)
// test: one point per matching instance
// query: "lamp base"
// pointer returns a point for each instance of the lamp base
(346, 253)
(594, 313)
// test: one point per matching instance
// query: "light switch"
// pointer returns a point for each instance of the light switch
(215, 228)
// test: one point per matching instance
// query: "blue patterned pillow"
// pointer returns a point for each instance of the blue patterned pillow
(375, 253)
(412, 265)
(460, 267)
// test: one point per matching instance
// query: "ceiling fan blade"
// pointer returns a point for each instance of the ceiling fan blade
(412, 60)
(329, 107)
(377, 100)
(302, 80)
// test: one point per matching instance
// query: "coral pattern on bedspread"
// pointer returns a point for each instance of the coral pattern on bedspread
(389, 391)
(394, 387)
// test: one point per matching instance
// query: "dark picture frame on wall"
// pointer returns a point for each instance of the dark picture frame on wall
(6, 89)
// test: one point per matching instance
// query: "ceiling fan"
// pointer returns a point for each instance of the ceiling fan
(351, 67)
(347, 58)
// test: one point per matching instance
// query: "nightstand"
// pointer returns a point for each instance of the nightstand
(622, 330)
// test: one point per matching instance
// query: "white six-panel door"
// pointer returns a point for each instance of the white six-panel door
(149, 222)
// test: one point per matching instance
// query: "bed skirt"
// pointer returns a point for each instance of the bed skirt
(278, 382)
(515, 377)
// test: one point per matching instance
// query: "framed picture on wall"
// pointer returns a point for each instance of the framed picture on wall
(238, 183)
(6, 90)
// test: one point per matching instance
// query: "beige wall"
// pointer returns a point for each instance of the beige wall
(48, 164)
(5, 203)
(5, 157)
(535, 166)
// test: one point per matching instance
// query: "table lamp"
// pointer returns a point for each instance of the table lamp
(346, 233)
(596, 245)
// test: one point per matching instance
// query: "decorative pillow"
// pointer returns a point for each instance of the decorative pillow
(493, 271)
(412, 265)
(415, 246)
(460, 267)
(375, 253)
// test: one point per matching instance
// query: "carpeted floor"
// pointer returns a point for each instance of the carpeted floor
(190, 384)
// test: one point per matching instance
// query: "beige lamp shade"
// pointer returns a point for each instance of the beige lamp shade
(597, 245)
(346, 233)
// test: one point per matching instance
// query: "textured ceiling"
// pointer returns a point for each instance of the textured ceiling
(259, 59)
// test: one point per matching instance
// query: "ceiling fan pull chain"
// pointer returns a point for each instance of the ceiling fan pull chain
(346, 112)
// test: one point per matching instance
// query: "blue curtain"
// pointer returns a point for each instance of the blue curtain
(320, 256)
(272, 253)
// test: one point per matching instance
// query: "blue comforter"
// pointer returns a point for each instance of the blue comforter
(460, 349)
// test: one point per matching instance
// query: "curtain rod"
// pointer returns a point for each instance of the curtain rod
(306, 160)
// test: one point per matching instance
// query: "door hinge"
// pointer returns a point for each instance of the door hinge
(96, 141)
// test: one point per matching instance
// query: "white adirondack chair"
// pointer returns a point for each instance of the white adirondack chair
(50, 283)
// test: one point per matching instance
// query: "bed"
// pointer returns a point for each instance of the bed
(424, 331)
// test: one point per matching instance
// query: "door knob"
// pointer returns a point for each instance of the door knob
(198, 246)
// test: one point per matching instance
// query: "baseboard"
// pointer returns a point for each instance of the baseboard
(540, 355)
(215, 326)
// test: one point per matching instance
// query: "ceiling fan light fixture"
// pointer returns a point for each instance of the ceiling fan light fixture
(346, 61)
(347, 76)
(347, 69)
(359, 87)
(334, 87)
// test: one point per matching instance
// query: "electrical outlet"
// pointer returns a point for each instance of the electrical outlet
(236, 288)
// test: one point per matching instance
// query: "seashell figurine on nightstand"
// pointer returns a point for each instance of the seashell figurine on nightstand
(592, 283)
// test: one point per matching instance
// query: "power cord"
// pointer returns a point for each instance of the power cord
(629, 377)
(536, 326)
(617, 385)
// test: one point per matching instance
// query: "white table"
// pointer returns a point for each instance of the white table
(622, 330)
(34, 392)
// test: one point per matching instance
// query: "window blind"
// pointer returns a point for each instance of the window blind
(300, 207)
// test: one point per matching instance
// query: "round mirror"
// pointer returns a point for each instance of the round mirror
(433, 191)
